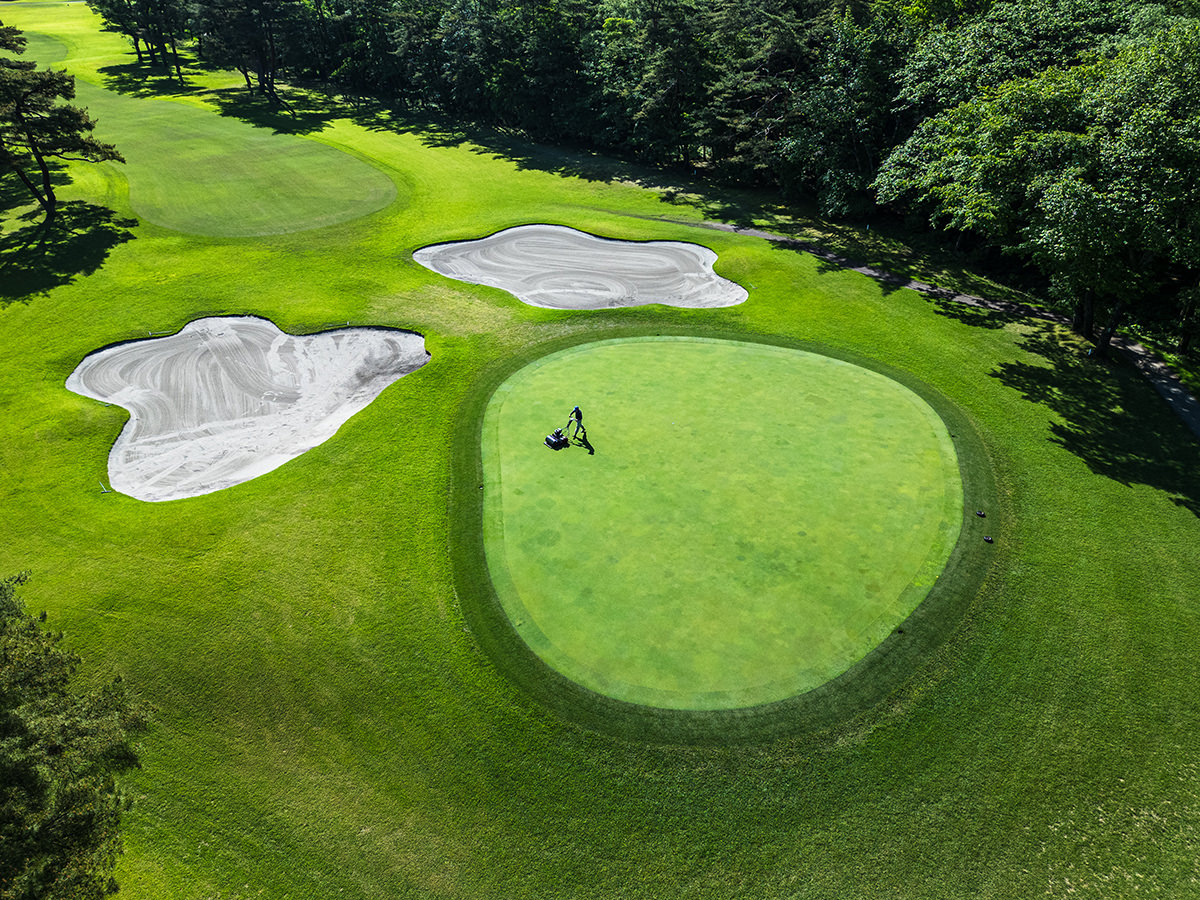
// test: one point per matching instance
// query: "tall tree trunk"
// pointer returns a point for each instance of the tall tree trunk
(1105, 340)
(45, 195)
(1083, 317)
(43, 201)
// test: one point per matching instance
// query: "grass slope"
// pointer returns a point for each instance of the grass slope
(330, 726)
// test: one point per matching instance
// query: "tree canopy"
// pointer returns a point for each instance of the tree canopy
(36, 129)
(1092, 172)
(60, 753)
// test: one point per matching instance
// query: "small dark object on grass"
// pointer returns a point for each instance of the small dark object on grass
(981, 513)
(987, 539)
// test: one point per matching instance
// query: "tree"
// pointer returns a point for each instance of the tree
(60, 753)
(1012, 40)
(842, 123)
(654, 68)
(541, 83)
(248, 35)
(766, 53)
(1091, 172)
(35, 129)
(159, 24)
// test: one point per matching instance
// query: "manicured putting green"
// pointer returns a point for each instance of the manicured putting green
(754, 519)
(192, 170)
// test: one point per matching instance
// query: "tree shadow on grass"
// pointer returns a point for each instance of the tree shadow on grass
(829, 262)
(685, 188)
(141, 80)
(975, 316)
(34, 261)
(1109, 416)
(899, 248)
(302, 111)
(892, 276)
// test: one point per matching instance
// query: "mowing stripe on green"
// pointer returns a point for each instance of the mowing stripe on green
(754, 520)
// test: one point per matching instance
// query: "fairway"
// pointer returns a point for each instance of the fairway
(753, 521)
(340, 651)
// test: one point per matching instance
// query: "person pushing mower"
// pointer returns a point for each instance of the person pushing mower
(576, 417)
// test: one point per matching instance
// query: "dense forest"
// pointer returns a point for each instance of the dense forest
(1065, 133)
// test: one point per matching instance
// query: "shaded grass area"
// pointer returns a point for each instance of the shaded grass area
(332, 725)
(1104, 417)
(35, 259)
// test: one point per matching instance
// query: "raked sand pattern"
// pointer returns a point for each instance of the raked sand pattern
(228, 399)
(561, 268)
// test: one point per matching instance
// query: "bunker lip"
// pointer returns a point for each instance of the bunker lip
(229, 398)
(557, 267)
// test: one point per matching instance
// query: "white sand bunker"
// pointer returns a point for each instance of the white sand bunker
(228, 399)
(561, 268)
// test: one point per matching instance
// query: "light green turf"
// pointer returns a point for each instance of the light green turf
(191, 171)
(330, 724)
(753, 521)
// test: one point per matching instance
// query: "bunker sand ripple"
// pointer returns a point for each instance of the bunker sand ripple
(557, 267)
(228, 399)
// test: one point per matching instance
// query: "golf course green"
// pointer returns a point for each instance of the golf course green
(745, 522)
(190, 173)
(347, 702)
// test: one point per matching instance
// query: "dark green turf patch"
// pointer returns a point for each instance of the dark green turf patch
(875, 675)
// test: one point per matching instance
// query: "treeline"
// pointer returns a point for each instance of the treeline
(1065, 132)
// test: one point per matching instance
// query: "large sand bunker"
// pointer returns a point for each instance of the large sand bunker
(228, 399)
(561, 268)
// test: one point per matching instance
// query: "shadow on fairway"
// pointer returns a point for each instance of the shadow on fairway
(1110, 417)
(976, 316)
(897, 246)
(141, 80)
(78, 243)
(300, 112)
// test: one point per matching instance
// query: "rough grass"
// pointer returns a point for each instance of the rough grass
(330, 726)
